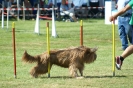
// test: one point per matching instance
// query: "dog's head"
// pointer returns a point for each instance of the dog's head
(89, 54)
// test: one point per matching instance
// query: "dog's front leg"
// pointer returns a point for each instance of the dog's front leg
(81, 72)
(73, 70)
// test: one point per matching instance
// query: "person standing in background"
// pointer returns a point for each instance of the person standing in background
(58, 6)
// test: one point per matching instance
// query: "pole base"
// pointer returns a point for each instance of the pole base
(48, 75)
(113, 73)
(15, 76)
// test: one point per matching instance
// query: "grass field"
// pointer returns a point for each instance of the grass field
(96, 75)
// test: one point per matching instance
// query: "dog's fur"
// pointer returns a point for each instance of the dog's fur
(72, 58)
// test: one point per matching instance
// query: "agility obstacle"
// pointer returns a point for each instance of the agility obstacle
(14, 48)
(81, 33)
(48, 48)
(53, 24)
(113, 47)
(49, 8)
(36, 29)
(2, 23)
(23, 9)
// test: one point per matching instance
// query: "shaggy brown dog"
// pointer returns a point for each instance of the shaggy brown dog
(72, 58)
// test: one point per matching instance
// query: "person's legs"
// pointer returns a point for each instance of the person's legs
(119, 59)
(122, 32)
(128, 28)
(72, 14)
(128, 51)
(58, 11)
(74, 18)
(129, 35)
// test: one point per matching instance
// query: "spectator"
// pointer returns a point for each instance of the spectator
(69, 3)
(12, 4)
(67, 11)
(58, 11)
(85, 11)
(33, 2)
(28, 12)
(46, 3)
(77, 3)
(41, 3)
(27, 4)
(51, 3)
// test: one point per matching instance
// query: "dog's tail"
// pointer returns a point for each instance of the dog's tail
(28, 58)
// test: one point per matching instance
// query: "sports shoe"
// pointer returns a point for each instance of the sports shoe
(118, 62)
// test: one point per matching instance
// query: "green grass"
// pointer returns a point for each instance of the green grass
(97, 75)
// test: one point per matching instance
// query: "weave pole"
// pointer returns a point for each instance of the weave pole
(81, 33)
(48, 48)
(14, 48)
(113, 51)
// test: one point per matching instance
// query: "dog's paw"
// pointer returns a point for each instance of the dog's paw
(81, 77)
(35, 76)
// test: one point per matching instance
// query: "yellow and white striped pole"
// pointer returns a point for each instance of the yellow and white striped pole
(48, 48)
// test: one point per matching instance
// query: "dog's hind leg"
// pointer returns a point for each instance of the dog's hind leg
(33, 72)
(39, 69)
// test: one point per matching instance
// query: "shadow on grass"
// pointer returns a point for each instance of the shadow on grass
(25, 31)
(85, 77)
(105, 76)
(57, 77)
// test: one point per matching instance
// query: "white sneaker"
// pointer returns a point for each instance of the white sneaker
(118, 62)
